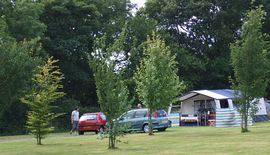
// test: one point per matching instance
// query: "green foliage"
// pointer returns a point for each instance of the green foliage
(112, 91)
(47, 83)
(199, 33)
(157, 82)
(20, 51)
(17, 65)
(22, 17)
(249, 63)
(139, 28)
(72, 27)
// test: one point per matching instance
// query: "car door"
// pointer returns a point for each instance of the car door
(139, 119)
(126, 119)
(162, 118)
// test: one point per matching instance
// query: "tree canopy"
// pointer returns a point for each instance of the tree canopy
(199, 34)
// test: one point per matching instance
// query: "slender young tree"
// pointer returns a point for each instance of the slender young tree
(112, 91)
(47, 83)
(156, 78)
(249, 60)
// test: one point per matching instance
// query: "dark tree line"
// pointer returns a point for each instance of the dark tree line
(198, 32)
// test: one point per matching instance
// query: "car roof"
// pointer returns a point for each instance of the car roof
(91, 113)
(145, 109)
(141, 109)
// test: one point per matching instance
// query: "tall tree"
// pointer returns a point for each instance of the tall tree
(73, 25)
(17, 65)
(249, 63)
(112, 91)
(266, 30)
(139, 27)
(22, 18)
(46, 90)
(157, 82)
(204, 29)
(20, 53)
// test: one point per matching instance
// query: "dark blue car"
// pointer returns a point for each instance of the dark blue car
(137, 120)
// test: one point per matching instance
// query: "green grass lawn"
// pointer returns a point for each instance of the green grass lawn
(180, 140)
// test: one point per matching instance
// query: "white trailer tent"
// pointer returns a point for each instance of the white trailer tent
(215, 107)
(267, 104)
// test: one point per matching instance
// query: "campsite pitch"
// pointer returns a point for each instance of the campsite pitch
(179, 140)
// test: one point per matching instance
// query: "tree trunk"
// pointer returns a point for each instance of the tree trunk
(243, 118)
(38, 136)
(150, 122)
(111, 135)
(242, 122)
(38, 139)
(246, 123)
(246, 113)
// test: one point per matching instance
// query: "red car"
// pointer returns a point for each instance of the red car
(94, 122)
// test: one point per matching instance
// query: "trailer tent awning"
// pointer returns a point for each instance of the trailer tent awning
(215, 94)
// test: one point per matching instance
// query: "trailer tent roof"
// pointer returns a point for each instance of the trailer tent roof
(215, 94)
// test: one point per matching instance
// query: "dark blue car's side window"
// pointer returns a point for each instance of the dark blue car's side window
(129, 115)
(162, 113)
(140, 114)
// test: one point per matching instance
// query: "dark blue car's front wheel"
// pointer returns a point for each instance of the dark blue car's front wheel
(145, 128)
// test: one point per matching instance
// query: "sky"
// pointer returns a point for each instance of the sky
(140, 3)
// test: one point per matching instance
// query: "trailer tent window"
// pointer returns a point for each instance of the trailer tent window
(224, 103)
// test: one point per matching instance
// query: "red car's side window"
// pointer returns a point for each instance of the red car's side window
(103, 116)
